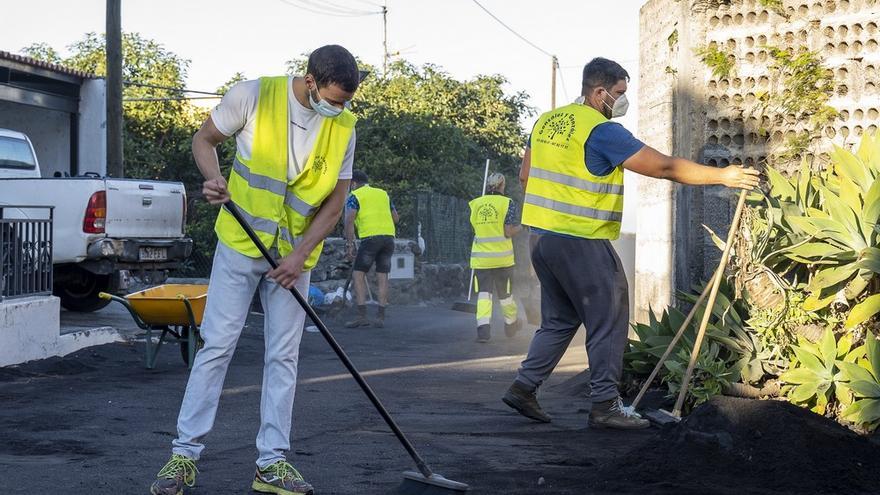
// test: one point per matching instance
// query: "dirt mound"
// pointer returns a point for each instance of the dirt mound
(731, 445)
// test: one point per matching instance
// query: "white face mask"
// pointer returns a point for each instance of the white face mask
(323, 108)
(621, 105)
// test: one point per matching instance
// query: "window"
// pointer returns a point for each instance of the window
(16, 153)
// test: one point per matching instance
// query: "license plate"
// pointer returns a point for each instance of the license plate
(153, 254)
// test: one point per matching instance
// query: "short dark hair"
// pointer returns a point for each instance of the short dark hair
(360, 177)
(601, 72)
(333, 64)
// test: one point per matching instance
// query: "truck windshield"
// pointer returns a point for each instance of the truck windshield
(16, 153)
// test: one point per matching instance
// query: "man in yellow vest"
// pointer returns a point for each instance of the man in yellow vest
(294, 152)
(495, 220)
(370, 210)
(573, 169)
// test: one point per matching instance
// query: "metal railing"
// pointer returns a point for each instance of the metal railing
(25, 251)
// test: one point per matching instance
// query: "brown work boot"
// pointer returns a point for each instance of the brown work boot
(613, 414)
(380, 318)
(524, 401)
(180, 471)
(361, 320)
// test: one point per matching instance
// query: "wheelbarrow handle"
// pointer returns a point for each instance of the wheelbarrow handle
(123, 301)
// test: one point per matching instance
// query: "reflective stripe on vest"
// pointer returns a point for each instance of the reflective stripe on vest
(279, 210)
(374, 212)
(491, 248)
(562, 195)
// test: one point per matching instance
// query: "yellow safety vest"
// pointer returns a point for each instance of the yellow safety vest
(374, 215)
(491, 248)
(278, 209)
(562, 195)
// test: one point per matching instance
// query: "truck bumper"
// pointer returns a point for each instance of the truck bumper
(109, 255)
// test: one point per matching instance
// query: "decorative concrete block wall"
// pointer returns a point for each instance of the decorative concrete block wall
(688, 111)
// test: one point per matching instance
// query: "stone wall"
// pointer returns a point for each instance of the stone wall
(432, 283)
(687, 111)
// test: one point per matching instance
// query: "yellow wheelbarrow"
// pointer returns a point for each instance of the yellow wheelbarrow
(175, 309)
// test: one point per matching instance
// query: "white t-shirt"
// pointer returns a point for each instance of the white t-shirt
(235, 116)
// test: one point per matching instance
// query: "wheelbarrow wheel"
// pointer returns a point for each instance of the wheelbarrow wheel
(184, 348)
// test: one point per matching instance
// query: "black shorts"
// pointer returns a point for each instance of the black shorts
(377, 249)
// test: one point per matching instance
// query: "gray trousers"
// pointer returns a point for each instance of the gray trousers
(234, 278)
(582, 282)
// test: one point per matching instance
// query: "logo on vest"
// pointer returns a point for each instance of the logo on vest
(557, 130)
(319, 165)
(487, 214)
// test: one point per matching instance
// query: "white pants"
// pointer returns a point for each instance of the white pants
(234, 278)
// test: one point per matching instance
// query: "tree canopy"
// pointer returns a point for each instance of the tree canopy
(419, 128)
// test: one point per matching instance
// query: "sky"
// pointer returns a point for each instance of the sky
(257, 37)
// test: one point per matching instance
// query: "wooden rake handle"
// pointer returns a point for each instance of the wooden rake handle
(671, 346)
(707, 314)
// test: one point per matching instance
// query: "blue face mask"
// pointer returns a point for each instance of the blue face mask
(323, 108)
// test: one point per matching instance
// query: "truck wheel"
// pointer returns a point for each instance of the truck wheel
(79, 289)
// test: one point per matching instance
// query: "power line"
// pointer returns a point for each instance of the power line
(372, 4)
(173, 98)
(332, 10)
(562, 81)
(177, 90)
(536, 47)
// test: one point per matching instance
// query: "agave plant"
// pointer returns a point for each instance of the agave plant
(862, 379)
(711, 374)
(831, 219)
(741, 350)
(814, 378)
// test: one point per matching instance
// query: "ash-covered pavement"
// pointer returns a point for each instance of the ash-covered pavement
(97, 422)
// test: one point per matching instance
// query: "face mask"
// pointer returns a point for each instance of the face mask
(323, 108)
(619, 108)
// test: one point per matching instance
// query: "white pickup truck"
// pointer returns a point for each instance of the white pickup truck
(102, 226)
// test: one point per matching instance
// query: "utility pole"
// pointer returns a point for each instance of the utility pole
(555, 63)
(114, 88)
(385, 37)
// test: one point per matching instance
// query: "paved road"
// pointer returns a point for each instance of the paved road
(97, 422)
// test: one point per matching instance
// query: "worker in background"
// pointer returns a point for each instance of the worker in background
(495, 219)
(573, 170)
(371, 212)
(294, 152)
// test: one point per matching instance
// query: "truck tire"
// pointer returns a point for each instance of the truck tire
(78, 290)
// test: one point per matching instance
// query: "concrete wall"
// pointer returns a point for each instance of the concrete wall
(30, 329)
(92, 127)
(653, 254)
(49, 130)
(687, 111)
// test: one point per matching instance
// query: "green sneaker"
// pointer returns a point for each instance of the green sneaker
(281, 478)
(180, 471)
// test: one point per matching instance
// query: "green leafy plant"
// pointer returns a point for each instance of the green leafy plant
(814, 377)
(721, 62)
(711, 375)
(776, 6)
(830, 220)
(862, 379)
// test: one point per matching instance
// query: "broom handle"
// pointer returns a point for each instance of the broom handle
(671, 346)
(471, 279)
(716, 284)
(420, 463)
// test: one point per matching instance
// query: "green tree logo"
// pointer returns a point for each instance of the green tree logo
(559, 125)
(487, 214)
(319, 165)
